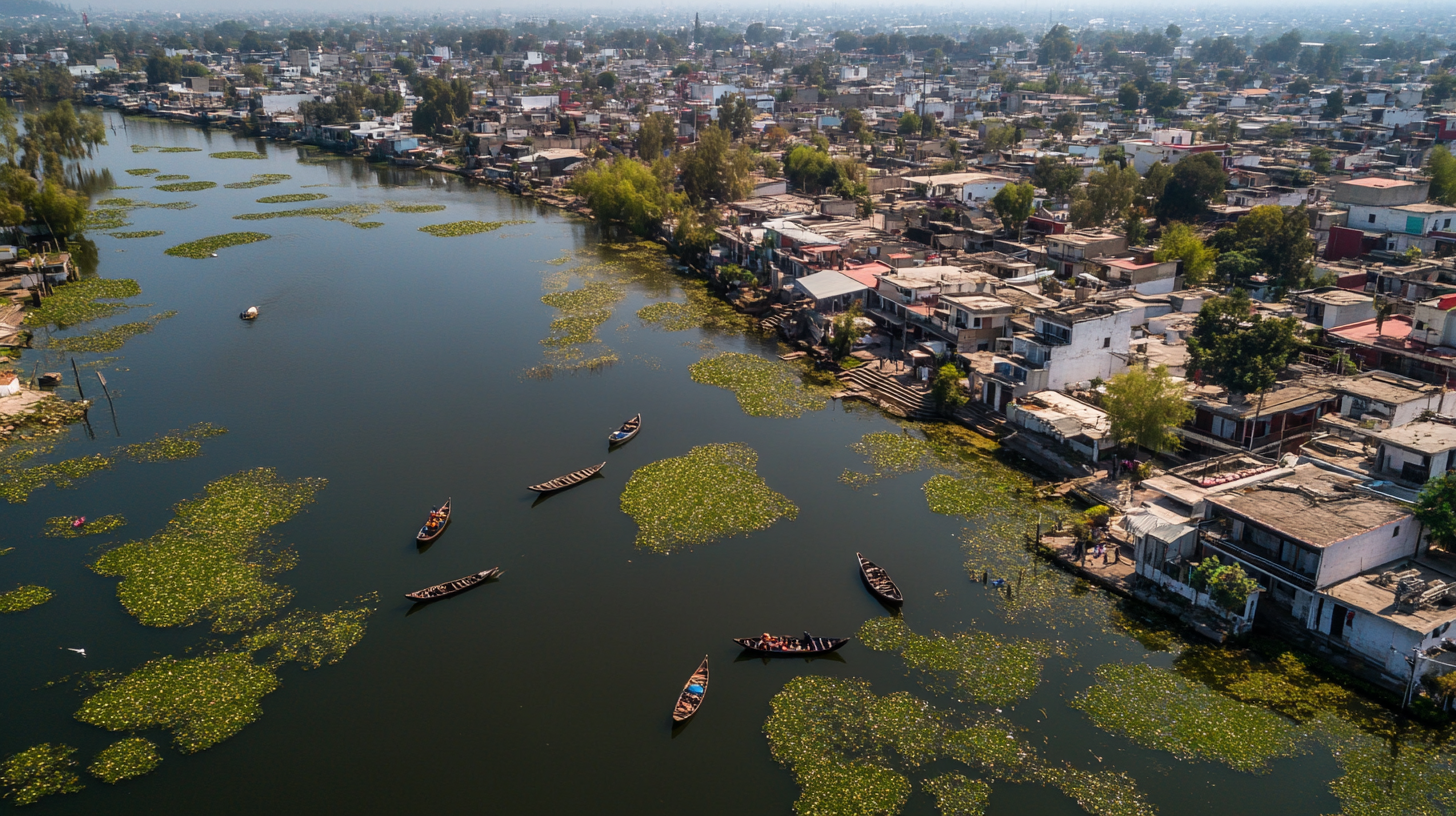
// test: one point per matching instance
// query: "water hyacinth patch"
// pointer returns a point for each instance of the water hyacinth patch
(172, 177)
(260, 180)
(23, 598)
(312, 639)
(209, 562)
(17, 483)
(1102, 794)
(291, 198)
(1411, 778)
(126, 759)
(205, 247)
(100, 220)
(202, 701)
(40, 771)
(185, 186)
(174, 445)
(986, 668)
(180, 150)
(64, 527)
(136, 148)
(956, 795)
(80, 301)
(414, 208)
(347, 213)
(108, 339)
(238, 154)
(1158, 709)
(143, 171)
(457, 229)
(713, 492)
(766, 388)
(137, 234)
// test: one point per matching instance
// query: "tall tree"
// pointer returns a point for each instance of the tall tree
(1195, 180)
(735, 115)
(1144, 406)
(714, 170)
(1181, 243)
(1054, 175)
(1110, 191)
(1278, 237)
(1056, 46)
(1013, 206)
(1436, 509)
(657, 133)
(1443, 176)
(1244, 352)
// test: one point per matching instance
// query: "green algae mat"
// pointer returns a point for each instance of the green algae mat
(765, 388)
(712, 492)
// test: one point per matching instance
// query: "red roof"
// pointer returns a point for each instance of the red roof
(866, 274)
(1446, 303)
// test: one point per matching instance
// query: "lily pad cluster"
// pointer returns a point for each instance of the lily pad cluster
(205, 247)
(766, 388)
(137, 234)
(209, 561)
(345, 213)
(125, 759)
(23, 598)
(108, 339)
(17, 482)
(64, 526)
(171, 177)
(457, 229)
(986, 669)
(185, 186)
(40, 771)
(1158, 709)
(712, 492)
(82, 301)
(143, 171)
(292, 198)
(174, 445)
(180, 150)
(238, 154)
(583, 310)
(414, 208)
(955, 795)
(259, 180)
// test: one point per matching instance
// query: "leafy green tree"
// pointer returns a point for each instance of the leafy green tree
(847, 332)
(735, 115)
(1173, 32)
(625, 192)
(1181, 243)
(657, 133)
(404, 65)
(714, 170)
(1110, 191)
(607, 81)
(1013, 205)
(1054, 175)
(57, 135)
(1144, 406)
(1384, 308)
(1239, 350)
(851, 121)
(1319, 159)
(909, 124)
(1195, 180)
(946, 389)
(64, 211)
(1128, 96)
(1056, 46)
(1228, 584)
(1334, 105)
(1279, 237)
(1436, 510)
(1279, 133)
(1155, 181)
(253, 75)
(1443, 176)
(1066, 123)
(1001, 136)
(1236, 267)
(1299, 87)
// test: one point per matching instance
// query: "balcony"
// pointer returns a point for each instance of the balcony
(1215, 537)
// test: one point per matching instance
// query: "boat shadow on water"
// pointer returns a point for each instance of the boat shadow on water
(748, 654)
(543, 497)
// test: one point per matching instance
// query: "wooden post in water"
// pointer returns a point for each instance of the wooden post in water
(109, 403)
(78, 378)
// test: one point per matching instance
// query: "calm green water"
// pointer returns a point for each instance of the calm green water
(391, 363)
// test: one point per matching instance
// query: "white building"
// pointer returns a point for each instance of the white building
(1070, 345)
(970, 189)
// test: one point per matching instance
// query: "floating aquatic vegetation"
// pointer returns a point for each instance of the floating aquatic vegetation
(137, 234)
(346, 213)
(1388, 776)
(594, 365)
(143, 148)
(180, 150)
(7, 551)
(292, 198)
(205, 247)
(456, 229)
(127, 187)
(172, 177)
(238, 154)
(307, 186)
(1137, 623)
(40, 771)
(185, 186)
(48, 416)
(1104, 793)
(562, 261)
(956, 795)
(101, 220)
(17, 483)
(970, 497)
(63, 526)
(712, 492)
(126, 759)
(669, 316)
(79, 301)
(1158, 709)
(108, 339)
(890, 454)
(313, 639)
(263, 180)
(1286, 683)
(583, 311)
(23, 598)
(174, 445)
(143, 171)
(202, 701)
(208, 562)
(368, 224)
(986, 668)
(764, 387)
(414, 208)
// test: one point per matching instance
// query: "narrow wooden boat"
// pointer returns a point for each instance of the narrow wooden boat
(879, 581)
(625, 433)
(250, 314)
(454, 587)
(791, 646)
(569, 480)
(435, 524)
(693, 693)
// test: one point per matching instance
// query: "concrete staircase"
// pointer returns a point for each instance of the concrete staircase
(914, 401)
(777, 314)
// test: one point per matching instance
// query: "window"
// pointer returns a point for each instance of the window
(1372, 218)
(1107, 342)
(1447, 225)
(1396, 534)
(975, 322)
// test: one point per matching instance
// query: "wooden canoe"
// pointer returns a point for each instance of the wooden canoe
(454, 587)
(625, 433)
(791, 646)
(569, 480)
(879, 581)
(692, 695)
(428, 533)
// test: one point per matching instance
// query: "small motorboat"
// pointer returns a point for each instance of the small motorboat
(569, 480)
(78, 522)
(692, 695)
(435, 524)
(454, 587)
(625, 433)
(50, 379)
(784, 646)
(250, 314)
(879, 581)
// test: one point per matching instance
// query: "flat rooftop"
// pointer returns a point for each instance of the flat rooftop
(1363, 593)
(1313, 505)
(1422, 437)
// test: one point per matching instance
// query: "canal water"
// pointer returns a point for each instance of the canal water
(395, 365)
